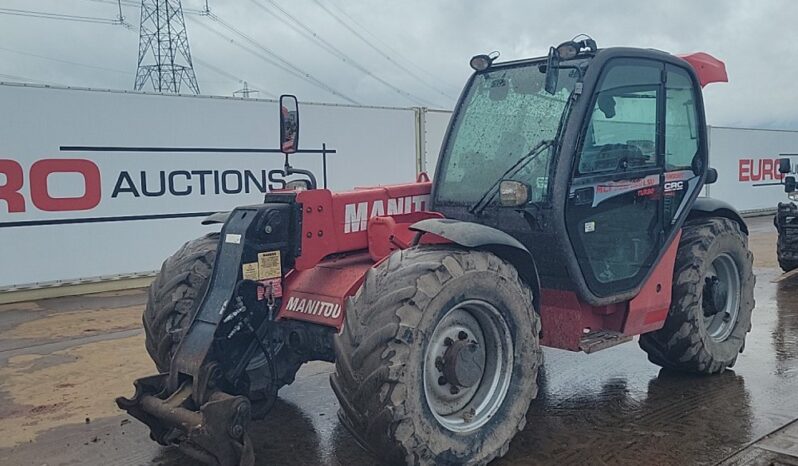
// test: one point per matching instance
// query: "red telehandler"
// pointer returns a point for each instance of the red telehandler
(565, 212)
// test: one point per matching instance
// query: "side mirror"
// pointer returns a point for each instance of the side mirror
(784, 166)
(513, 193)
(552, 71)
(789, 184)
(289, 124)
(712, 176)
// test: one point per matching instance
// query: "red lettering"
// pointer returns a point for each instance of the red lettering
(756, 170)
(40, 195)
(9, 192)
(745, 170)
(767, 169)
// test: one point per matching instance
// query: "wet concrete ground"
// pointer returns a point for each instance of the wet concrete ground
(62, 362)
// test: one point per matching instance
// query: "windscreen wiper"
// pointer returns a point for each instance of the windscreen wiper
(486, 198)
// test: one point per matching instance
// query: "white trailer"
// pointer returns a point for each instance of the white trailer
(85, 197)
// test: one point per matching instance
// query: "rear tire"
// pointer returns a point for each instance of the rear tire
(174, 298)
(706, 326)
(396, 399)
(787, 251)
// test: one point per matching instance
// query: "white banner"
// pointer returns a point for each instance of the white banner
(79, 201)
(106, 209)
(437, 121)
(745, 157)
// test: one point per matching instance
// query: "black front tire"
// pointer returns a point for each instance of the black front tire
(175, 295)
(381, 352)
(174, 298)
(685, 342)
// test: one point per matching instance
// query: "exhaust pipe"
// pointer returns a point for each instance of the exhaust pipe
(214, 432)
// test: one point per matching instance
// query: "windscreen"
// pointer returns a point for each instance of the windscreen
(505, 113)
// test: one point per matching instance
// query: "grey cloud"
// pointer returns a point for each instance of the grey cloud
(752, 37)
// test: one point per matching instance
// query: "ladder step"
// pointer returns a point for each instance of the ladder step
(602, 339)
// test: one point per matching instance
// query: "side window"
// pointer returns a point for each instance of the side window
(682, 143)
(681, 121)
(622, 130)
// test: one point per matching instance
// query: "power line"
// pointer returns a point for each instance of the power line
(204, 63)
(224, 73)
(273, 58)
(298, 26)
(379, 50)
(57, 16)
(24, 78)
(135, 4)
(43, 57)
(270, 56)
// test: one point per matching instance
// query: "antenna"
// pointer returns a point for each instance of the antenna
(164, 53)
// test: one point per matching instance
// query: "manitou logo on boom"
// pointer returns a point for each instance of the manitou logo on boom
(356, 216)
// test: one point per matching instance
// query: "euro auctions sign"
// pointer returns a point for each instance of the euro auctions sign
(759, 169)
(105, 183)
(74, 185)
(39, 193)
(745, 158)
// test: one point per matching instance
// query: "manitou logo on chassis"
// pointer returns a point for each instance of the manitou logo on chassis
(313, 307)
(356, 216)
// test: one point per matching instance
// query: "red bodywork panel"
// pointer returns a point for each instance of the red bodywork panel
(343, 236)
(346, 234)
(565, 318)
(319, 294)
(338, 222)
(708, 68)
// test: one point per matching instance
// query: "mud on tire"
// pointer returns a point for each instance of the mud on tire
(380, 356)
(686, 341)
(174, 298)
(175, 295)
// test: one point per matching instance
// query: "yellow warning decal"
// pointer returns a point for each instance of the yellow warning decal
(269, 265)
(250, 271)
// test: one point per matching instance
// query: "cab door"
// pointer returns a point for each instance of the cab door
(614, 210)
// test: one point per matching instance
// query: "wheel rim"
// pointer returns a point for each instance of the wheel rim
(468, 365)
(721, 297)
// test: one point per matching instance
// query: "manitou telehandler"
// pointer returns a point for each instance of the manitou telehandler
(564, 212)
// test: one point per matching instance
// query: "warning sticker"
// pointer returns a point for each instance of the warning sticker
(250, 271)
(269, 265)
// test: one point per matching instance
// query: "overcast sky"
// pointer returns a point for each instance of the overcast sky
(420, 48)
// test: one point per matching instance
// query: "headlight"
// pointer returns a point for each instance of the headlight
(793, 196)
(567, 50)
(480, 62)
(297, 185)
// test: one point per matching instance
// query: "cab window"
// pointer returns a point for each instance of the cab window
(681, 121)
(622, 128)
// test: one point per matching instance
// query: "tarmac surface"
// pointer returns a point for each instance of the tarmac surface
(62, 362)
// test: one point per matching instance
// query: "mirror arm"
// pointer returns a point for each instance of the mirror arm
(289, 170)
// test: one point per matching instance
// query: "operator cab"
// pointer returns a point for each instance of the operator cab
(590, 157)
